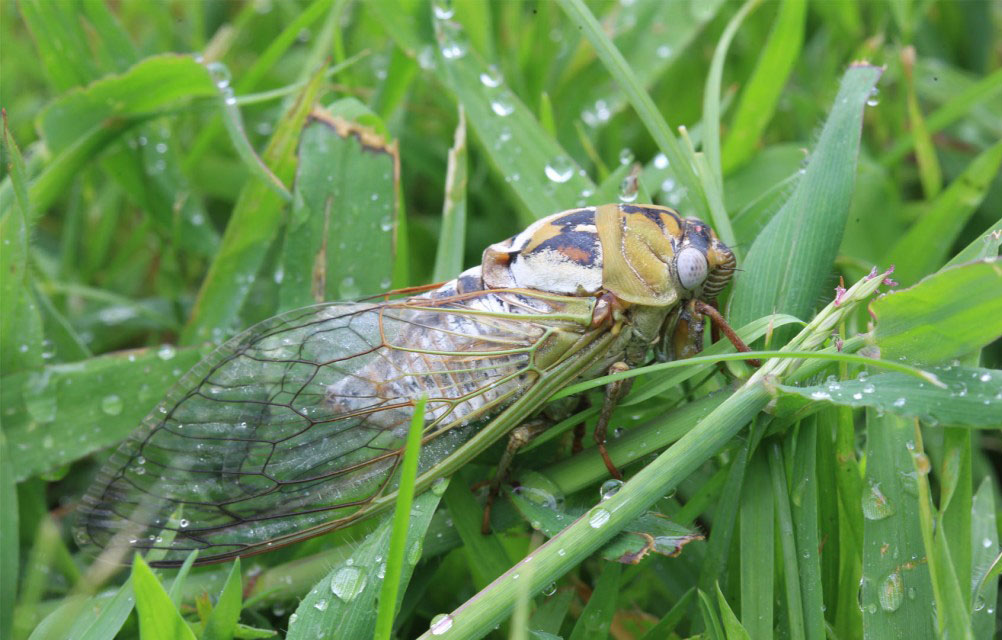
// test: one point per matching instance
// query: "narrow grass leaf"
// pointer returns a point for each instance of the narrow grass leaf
(667, 624)
(391, 592)
(177, 584)
(959, 103)
(927, 243)
(9, 541)
(790, 262)
(540, 173)
(21, 331)
(486, 556)
(733, 629)
(952, 617)
(222, 622)
(895, 593)
(804, 487)
(550, 615)
(347, 186)
(641, 102)
(714, 629)
(948, 314)
(65, 412)
(984, 246)
(593, 624)
(154, 85)
(757, 510)
(711, 102)
(255, 220)
(762, 91)
(452, 237)
(787, 541)
(112, 613)
(930, 174)
(971, 397)
(985, 550)
(159, 619)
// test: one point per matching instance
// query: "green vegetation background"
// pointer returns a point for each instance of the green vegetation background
(165, 201)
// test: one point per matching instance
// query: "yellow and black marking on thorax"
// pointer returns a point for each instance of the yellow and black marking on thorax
(644, 254)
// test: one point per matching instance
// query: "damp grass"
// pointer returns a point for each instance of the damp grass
(847, 488)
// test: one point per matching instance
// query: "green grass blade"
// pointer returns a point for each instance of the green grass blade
(21, 330)
(757, 509)
(114, 611)
(536, 168)
(391, 593)
(952, 617)
(711, 101)
(222, 622)
(65, 412)
(485, 555)
(955, 496)
(9, 541)
(804, 487)
(926, 245)
(789, 263)
(761, 94)
(787, 541)
(452, 239)
(959, 104)
(347, 185)
(733, 629)
(930, 174)
(641, 101)
(597, 613)
(896, 590)
(986, 245)
(966, 316)
(177, 584)
(255, 219)
(985, 550)
(159, 619)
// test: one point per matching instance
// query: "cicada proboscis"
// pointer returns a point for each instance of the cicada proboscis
(296, 426)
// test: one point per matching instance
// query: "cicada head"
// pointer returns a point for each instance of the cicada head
(654, 257)
(644, 254)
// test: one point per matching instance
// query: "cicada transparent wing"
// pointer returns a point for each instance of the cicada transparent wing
(295, 427)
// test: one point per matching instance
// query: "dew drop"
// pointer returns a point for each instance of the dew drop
(869, 388)
(166, 352)
(220, 74)
(440, 624)
(560, 169)
(875, 504)
(347, 582)
(503, 105)
(320, 605)
(661, 162)
(438, 487)
(985, 377)
(625, 155)
(386, 223)
(183, 523)
(111, 404)
(874, 98)
(598, 517)
(443, 9)
(414, 553)
(347, 288)
(453, 44)
(663, 52)
(900, 402)
(609, 488)
(491, 78)
(891, 592)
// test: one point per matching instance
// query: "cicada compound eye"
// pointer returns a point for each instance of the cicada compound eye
(692, 267)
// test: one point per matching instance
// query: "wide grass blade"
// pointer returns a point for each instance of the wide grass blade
(159, 619)
(64, 412)
(347, 186)
(966, 316)
(790, 262)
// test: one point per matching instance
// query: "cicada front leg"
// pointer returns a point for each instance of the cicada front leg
(614, 391)
(518, 438)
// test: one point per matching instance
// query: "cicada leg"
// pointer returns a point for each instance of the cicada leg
(720, 323)
(614, 391)
(518, 438)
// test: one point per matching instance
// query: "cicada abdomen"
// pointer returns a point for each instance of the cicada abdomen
(296, 426)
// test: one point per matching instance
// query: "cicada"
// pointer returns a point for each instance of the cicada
(296, 427)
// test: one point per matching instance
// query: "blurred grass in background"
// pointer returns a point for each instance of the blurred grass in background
(175, 190)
